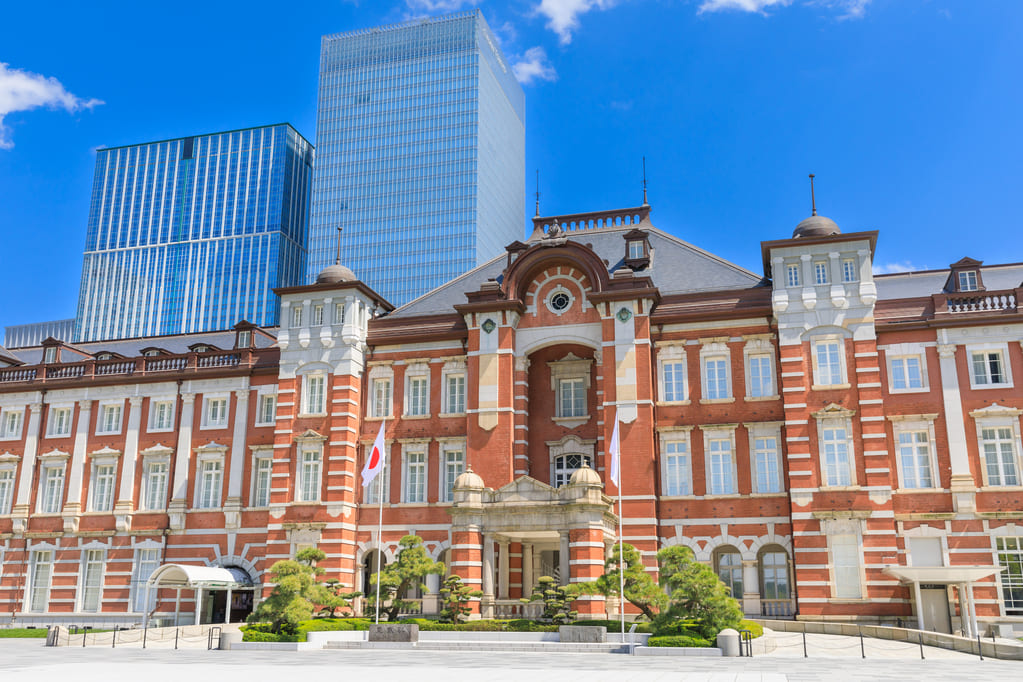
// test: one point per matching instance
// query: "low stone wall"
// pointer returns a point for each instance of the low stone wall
(676, 651)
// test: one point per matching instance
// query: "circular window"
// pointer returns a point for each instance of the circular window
(560, 301)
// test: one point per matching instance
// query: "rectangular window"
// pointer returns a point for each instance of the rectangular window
(53, 490)
(715, 378)
(906, 373)
(418, 398)
(101, 498)
(317, 315)
(845, 558)
(454, 466)
(154, 486)
(415, 477)
(216, 412)
(988, 368)
(968, 281)
(267, 409)
(915, 457)
(42, 568)
(635, 249)
(765, 454)
(761, 381)
(50, 355)
(829, 362)
(92, 579)
(10, 427)
(60, 422)
(456, 394)
(721, 479)
(381, 397)
(835, 448)
(6, 490)
(296, 317)
(1010, 557)
(161, 416)
(211, 475)
(146, 561)
(674, 381)
(792, 275)
(379, 487)
(571, 398)
(244, 338)
(820, 272)
(339, 313)
(314, 395)
(109, 419)
(261, 482)
(999, 455)
(676, 465)
(309, 481)
(849, 270)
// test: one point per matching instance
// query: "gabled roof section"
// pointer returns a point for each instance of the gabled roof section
(676, 266)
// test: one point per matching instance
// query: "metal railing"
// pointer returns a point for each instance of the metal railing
(182, 637)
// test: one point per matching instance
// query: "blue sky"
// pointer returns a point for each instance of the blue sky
(908, 111)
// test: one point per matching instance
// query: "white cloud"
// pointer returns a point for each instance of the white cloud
(563, 15)
(898, 266)
(741, 5)
(534, 65)
(849, 9)
(435, 6)
(24, 91)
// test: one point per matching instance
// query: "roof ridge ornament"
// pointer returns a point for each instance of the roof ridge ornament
(813, 199)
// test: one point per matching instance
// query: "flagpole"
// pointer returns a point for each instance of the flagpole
(621, 555)
(380, 529)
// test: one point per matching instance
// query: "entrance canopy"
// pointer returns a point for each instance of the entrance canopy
(942, 575)
(183, 576)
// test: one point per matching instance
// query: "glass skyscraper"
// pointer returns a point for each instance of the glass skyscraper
(420, 141)
(192, 234)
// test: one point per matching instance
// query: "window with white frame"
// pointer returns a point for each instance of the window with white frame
(101, 484)
(671, 359)
(761, 376)
(915, 456)
(154, 483)
(1010, 557)
(998, 445)
(834, 444)
(636, 250)
(262, 470)
(413, 485)
(210, 483)
(774, 575)
(728, 565)
(6, 489)
(41, 572)
(91, 581)
(792, 275)
(314, 393)
(317, 315)
(244, 339)
(266, 409)
(309, 474)
(52, 498)
(720, 455)
(968, 280)
(161, 415)
(677, 466)
(767, 470)
(109, 419)
(846, 561)
(988, 368)
(849, 270)
(716, 370)
(10, 423)
(565, 465)
(146, 561)
(454, 466)
(381, 379)
(59, 423)
(296, 316)
(339, 313)
(571, 397)
(214, 412)
(570, 380)
(828, 365)
(453, 382)
(417, 390)
(820, 272)
(906, 372)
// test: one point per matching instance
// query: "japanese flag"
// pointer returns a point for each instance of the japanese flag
(614, 450)
(375, 461)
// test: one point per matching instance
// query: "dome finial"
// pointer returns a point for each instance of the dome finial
(813, 200)
(337, 259)
(645, 202)
(537, 192)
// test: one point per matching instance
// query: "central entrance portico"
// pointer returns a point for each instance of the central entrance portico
(504, 540)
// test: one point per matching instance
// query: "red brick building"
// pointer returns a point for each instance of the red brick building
(837, 445)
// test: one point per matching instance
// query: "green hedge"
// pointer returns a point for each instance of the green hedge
(258, 632)
(756, 629)
(23, 633)
(679, 628)
(616, 625)
(678, 641)
(334, 624)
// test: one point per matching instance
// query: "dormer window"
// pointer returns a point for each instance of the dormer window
(244, 339)
(104, 356)
(965, 276)
(968, 280)
(151, 352)
(200, 348)
(637, 249)
(50, 354)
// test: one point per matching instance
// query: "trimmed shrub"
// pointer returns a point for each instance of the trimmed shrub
(756, 629)
(263, 632)
(334, 624)
(678, 641)
(679, 628)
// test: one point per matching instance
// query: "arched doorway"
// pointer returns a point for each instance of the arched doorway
(372, 560)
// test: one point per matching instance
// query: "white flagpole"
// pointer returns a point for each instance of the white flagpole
(380, 529)
(621, 551)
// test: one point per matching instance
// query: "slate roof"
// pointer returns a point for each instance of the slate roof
(676, 267)
(928, 282)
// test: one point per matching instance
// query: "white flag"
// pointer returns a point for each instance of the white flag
(614, 451)
(376, 460)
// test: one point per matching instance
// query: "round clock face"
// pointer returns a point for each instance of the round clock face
(560, 301)
(624, 314)
(489, 326)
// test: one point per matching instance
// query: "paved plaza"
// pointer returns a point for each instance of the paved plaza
(30, 660)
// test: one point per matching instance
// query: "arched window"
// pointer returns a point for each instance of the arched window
(566, 465)
(728, 565)
(371, 563)
(774, 582)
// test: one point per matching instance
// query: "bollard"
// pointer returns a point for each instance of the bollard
(113, 639)
(980, 648)
(175, 638)
(920, 639)
(804, 644)
(85, 633)
(728, 642)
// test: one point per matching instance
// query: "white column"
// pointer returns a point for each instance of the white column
(28, 461)
(973, 609)
(198, 606)
(527, 569)
(503, 569)
(564, 559)
(488, 566)
(963, 489)
(227, 608)
(751, 588)
(131, 451)
(74, 485)
(919, 606)
(237, 463)
(177, 606)
(184, 450)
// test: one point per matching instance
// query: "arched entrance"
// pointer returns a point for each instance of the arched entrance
(211, 585)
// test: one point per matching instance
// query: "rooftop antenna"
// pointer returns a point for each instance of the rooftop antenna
(644, 181)
(538, 192)
(337, 259)
(813, 200)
